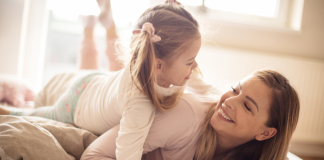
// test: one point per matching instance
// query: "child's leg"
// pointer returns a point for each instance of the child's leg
(114, 64)
(88, 57)
(106, 19)
(63, 110)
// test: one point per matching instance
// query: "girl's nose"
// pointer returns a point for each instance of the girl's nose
(195, 65)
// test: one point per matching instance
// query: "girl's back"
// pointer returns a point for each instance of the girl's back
(107, 97)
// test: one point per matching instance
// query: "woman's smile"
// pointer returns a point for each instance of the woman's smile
(224, 115)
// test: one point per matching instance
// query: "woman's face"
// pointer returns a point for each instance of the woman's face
(242, 112)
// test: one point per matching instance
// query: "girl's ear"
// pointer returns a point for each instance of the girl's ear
(266, 134)
(158, 66)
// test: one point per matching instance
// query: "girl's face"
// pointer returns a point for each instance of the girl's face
(242, 112)
(179, 70)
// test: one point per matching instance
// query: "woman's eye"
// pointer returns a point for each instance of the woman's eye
(247, 107)
(189, 64)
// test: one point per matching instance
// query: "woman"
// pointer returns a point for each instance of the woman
(254, 120)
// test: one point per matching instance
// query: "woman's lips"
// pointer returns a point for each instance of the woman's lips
(224, 115)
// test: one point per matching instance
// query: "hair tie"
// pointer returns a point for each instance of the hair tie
(148, 27)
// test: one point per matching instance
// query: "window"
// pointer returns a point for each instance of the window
(257, 12)
(65, 31)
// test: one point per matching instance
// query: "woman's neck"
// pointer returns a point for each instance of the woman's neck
(220, 152)
(224, 146)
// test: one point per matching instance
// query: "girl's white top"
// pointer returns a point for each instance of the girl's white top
(113, 99)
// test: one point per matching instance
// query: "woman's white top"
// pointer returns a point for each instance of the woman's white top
(109, 100)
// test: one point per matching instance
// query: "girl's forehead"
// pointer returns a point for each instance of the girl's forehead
(191, 50)
(186, 53)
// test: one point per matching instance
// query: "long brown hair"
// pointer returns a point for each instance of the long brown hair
(177, 28)
(283, 115)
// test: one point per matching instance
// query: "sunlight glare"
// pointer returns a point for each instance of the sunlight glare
(191, 2)
(71, 9)
(264, 8)
(125, 12)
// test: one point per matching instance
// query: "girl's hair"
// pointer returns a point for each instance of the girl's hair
(283, 115)
(177, 28)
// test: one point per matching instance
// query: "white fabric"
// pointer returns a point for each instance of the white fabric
(110, 100)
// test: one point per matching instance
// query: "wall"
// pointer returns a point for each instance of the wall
(23, 32)
(11, 12)
(308, 42)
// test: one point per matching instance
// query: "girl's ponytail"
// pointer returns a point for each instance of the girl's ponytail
(143, 67)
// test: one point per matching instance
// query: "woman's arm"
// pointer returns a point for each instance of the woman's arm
(104, 147)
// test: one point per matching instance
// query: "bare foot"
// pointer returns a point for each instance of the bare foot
(105, 17)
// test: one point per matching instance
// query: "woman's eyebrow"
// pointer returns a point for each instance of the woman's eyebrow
(249, 98)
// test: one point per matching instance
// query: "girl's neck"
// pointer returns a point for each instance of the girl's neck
(162, 83)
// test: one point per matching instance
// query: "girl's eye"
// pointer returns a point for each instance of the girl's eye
(189, 64)
(233, 89)
(247, 107)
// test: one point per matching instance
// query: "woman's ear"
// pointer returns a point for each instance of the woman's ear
(158, 66)
(266, 134)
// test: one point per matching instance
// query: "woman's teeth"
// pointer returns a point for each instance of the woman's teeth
(224, 115)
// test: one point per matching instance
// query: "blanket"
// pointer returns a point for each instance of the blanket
(33, 138)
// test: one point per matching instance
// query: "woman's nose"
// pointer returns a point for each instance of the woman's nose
(231, 102)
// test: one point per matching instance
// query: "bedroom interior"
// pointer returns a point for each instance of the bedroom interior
(35, 38)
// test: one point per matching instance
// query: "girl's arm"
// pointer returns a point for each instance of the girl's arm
(104, 147)
(197, 85)
(135, 124)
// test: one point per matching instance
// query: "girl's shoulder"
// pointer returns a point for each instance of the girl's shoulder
(187, 115)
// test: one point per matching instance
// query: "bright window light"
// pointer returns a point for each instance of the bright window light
(191, 2)
(264, 8)
(71, 9)
(125, 12)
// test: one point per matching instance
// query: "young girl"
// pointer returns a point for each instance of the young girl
(164, 45)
